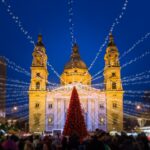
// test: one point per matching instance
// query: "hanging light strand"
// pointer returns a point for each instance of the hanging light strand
(13, 85)
(116, 22)
(135, 95)
(130, 102)
(14, 81)
(55, 72)
(136, 75)
(136, 83)
(137, 91)
(52, 68)
(71, 24)
(124, 65)
(135, 59)
(136, 78)
(14, 66)
(18, 22)
(147, 35)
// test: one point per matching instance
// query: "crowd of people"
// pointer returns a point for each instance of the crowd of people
(99, 140)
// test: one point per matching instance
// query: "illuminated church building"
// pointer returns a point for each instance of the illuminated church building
(101, 108)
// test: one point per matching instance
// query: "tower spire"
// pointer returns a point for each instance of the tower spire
(111, 40)
(40, 38)
(75, 51)
(39, 41)
(75, 46)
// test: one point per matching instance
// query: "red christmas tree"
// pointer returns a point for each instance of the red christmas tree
(75, 120)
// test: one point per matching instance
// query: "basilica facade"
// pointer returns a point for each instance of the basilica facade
(101, 108)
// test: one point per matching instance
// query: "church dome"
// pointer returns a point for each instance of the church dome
(75, 60)
(75, 64)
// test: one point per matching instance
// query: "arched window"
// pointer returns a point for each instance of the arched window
(50, 106)
(114, 86)
(113, 74)
(101, 106)
(37, 85)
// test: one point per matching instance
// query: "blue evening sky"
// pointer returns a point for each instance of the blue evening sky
(92, 21)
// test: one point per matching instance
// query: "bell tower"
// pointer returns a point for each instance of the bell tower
(38, 90)
(113, 87)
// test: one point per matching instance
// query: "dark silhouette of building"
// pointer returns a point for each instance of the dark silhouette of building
(2, 90)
